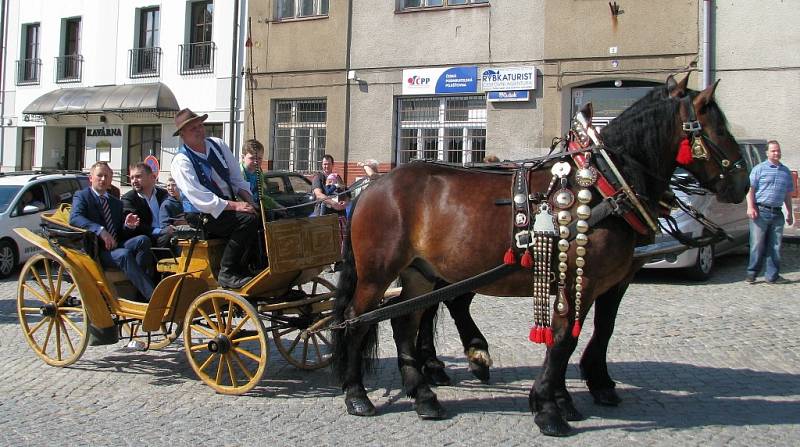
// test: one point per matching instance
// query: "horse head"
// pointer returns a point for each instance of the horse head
(706, 147)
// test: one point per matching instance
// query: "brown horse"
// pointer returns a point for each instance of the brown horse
(425, 222)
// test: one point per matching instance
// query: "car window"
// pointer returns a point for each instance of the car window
(274, 185)
(83, 182)
(61, 191)
(35, 195)
(300, 184)
(7, 194)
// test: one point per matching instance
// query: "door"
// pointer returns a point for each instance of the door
(75, 146)
(27, 148)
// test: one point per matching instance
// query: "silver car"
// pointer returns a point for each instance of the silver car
(698, 263)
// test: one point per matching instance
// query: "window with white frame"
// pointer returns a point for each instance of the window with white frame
(450, 129)
(299, 134)
(414, 4)
(296, 9)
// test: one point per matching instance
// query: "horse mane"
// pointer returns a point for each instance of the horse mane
(642, 133)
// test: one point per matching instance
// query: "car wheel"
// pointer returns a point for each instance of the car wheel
(8, 257)
(701, 270)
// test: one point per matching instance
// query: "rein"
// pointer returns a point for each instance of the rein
(701, 143)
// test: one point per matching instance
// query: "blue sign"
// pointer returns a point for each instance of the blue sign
(511, 95)
(458, 80)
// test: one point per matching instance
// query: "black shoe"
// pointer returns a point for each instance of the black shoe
(750, 279)
(231, 281)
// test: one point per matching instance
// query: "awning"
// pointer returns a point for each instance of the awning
(107, 99)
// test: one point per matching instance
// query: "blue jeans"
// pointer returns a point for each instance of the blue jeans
(766, 232)
(134, 259)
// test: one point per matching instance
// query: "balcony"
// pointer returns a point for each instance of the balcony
(69, 68)
(197, 57)
(28, 71)
(144, 62)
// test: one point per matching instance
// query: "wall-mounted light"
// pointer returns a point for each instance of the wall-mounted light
(618, 83)
(102, 118)
(352, 75)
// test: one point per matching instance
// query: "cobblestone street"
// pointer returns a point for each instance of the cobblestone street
(714, 363)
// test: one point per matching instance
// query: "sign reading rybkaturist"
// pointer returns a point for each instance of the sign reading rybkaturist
(496, 79)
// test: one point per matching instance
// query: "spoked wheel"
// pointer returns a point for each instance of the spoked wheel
(159, 341)
(225, 341)
(301, 337)
(51, 312)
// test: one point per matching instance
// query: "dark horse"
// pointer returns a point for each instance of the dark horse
(425, 222)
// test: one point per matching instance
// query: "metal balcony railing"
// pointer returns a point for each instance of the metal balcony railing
(28, 71)
(69, 68)
(197, 57)
(144, 62)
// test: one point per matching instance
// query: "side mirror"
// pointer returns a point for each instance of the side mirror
(30, 209)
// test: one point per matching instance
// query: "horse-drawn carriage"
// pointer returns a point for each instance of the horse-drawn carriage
(67, 301)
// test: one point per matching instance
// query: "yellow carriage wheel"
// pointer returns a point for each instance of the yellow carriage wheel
(51, 311)
(301, 337)
(225, 341)
(159, 341)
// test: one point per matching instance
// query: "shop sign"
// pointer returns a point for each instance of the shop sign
(445, 80)
(509, 96)
(508, 78)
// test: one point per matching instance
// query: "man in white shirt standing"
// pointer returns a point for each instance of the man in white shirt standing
(210, 179)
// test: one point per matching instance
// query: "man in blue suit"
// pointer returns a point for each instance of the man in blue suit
(95, 210)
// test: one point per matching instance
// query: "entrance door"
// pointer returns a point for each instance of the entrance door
(27, 148)
(75, 148)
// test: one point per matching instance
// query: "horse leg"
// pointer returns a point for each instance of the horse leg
(405, 332)
(355, 398)
(475, 345)
(432, 367)
(548, 394)
(594, 368)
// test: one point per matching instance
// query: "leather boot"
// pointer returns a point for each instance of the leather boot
(229, 276)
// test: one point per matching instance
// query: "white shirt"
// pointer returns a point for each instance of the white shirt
(152, 202)
(186, 178)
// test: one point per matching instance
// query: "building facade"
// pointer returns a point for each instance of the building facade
(92, 80)
(456, 80)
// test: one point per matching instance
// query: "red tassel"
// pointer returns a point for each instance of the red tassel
(540, 334)
(527, 260)
(684, 156)
(532, 335)
(576, 329)
(509, 258)
(548, 337)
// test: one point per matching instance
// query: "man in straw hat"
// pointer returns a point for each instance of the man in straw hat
(209, 177)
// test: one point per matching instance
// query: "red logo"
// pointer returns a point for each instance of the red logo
(418, 80)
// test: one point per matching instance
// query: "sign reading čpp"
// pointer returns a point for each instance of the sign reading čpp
(508, 78)
(431, 81)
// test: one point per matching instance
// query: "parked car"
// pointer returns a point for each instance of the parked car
(290, 189)
(698, 263)
(23, 197)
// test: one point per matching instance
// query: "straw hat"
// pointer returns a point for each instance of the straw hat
(185, 117)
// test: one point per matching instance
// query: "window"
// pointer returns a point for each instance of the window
(198, 54)
(143, 141)
(36, 197)
(70, 63)
(61, 191)
(450, 129)
(413, 4)
(295, 9)
(215, 130)
(299, 135)
(29, 64)
(145, 59)
(28, 146)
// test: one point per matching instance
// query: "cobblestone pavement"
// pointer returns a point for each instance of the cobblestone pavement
(716, 363)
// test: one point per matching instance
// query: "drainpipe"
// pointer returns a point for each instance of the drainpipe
(347, 88)
(234, 73)
(3, 70)
(706, 44)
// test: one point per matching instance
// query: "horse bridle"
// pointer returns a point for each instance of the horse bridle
(700, 143)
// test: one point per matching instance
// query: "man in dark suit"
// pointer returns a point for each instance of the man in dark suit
(145, 200)
(95, 210)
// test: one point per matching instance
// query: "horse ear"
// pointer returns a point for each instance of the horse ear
(588, 112)
(677, 89)
(706, 96)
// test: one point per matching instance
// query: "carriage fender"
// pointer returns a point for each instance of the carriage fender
(93, 302)
(171, 297)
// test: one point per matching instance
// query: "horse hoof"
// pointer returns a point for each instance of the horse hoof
(569, 412)
(606, 397)
(430, 409)
(552, 424)
(359, 406)
(480, 371)
(436, 376)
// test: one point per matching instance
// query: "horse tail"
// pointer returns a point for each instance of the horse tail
(345, 289)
